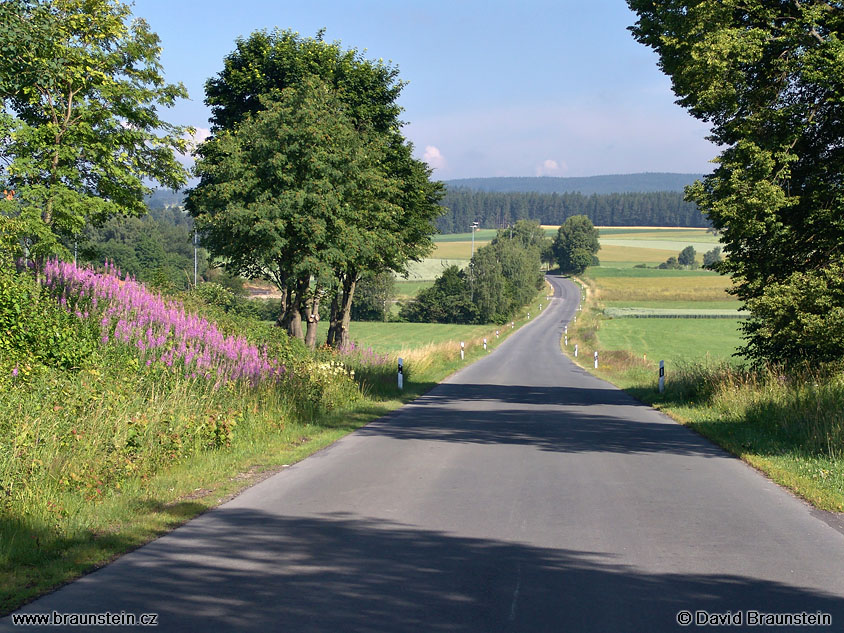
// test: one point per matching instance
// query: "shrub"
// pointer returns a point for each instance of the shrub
(34, 328)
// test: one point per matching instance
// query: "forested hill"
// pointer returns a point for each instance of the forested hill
(618, 183)
(493, 210)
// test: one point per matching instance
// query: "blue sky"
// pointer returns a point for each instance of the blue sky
(494, 88)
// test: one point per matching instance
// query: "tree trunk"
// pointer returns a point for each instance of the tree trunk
(297, 303)
(312, 315)
(335, 318)
(281, 321)
(349, 284)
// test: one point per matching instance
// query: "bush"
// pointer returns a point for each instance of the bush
(34, 328)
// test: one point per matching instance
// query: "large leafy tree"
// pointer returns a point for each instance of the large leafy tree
(292, 194)
(575, 244)
(258, 73)
(80, 129)
(769, 79)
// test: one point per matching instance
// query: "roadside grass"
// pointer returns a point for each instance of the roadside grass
(75, 492)
(393, 337)
(790, 427)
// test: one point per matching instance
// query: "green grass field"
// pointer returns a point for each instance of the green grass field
(672, 340)
(408, 289)
(430, 269)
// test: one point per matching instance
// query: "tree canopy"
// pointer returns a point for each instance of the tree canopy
(80, 129)
(323, 187)
(768, 78)
(576, 244)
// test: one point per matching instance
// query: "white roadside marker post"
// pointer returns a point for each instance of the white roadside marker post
(565, 329)
(567, 340)
(401, 374)
(575, 350)
(462, 345)
(484, 344)
(512, 324)
(661, 376)
(496, 333)
(528, 316)
(596, 360)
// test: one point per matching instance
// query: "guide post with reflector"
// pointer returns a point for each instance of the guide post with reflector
(401, 374)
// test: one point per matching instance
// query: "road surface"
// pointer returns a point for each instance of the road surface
(522, 494)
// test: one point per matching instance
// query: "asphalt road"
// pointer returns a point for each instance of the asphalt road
(521, 494)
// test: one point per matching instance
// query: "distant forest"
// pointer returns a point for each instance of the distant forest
(495, 210)
(618, 183)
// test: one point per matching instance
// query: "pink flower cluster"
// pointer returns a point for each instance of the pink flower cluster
(160, 330)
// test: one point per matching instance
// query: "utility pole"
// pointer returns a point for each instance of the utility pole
(194, 257)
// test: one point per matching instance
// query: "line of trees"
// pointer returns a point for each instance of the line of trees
(494, 210)
(306, 180)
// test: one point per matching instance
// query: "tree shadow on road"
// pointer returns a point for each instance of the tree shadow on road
(560, 419)
(246, 570)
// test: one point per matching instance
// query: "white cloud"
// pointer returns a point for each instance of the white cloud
(551, 168)
(199, 135)
(434, 157)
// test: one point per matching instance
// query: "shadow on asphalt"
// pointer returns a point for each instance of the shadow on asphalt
(560, 419)
(350, 574)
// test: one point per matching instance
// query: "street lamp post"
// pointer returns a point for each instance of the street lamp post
(194, 257)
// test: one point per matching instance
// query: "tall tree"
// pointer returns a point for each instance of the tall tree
(81, 135)
(767, 76)
(257, 74)
(576, 244)
(291, 194)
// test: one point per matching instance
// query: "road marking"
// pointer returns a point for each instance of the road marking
(516, 592)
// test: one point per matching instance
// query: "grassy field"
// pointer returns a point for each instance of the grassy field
(406, 289)
(430, 269)
(631, 290)
(673, 340)
(456, 250)
(610, 254)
